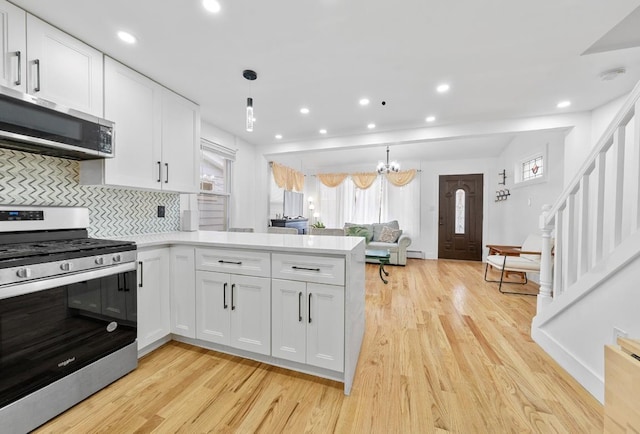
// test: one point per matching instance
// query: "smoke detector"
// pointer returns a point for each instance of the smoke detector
(612, 74)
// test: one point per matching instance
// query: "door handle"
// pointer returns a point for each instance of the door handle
(309, 308)
(233, 306)
(166, 181)
(141, 284)
(224, 295)
(19, 80)
(159, 171)
(300, 306)
(37, 63)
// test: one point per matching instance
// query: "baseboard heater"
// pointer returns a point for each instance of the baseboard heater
(415, 254)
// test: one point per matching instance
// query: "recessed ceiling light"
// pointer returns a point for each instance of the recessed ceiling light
(443, 88)
(212, 6)
(127, 37)
(278, 136)
(430, 118)
(304, 111)
(364, 101)
(564, 104)
(371, 126)
(323, 131)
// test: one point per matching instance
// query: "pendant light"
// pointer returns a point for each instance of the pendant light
(251, 76)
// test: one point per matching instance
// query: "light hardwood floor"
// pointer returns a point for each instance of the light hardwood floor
(443, 352)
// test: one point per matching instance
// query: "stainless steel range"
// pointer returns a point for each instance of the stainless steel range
(68, 313)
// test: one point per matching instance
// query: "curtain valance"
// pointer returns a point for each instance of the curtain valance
(332, 179)
(364, 180)
(287, 178)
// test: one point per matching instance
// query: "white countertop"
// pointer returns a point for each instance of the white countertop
(250, 240)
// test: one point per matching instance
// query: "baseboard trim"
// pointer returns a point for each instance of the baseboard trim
(583, 374)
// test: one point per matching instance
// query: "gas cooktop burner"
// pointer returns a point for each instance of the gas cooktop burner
(44, 248)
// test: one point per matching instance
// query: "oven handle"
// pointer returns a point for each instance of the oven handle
(67, 279)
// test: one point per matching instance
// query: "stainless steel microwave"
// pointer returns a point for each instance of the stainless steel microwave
(32, 124)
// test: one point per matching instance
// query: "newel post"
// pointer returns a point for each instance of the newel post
(545, 296)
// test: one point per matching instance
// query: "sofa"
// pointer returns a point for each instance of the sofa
(383, 236)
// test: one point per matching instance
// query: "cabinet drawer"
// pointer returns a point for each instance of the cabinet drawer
(305, 268)
(243, 262)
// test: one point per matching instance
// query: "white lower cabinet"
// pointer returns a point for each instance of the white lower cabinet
(153, 296)
(183, 294)
(308, 323)
(234, 310)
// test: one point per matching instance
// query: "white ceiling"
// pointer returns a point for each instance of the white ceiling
(503, 58)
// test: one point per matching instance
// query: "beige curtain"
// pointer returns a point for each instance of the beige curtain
(401, 178)
(364, 180)
(287, 178)
(298, 180)
(332, 179)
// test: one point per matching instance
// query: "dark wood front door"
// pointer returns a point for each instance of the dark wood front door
(460, 225)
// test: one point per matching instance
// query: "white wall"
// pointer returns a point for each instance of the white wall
(518, 216)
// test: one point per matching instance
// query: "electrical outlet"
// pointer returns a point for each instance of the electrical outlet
(160, 211)
(618, 333)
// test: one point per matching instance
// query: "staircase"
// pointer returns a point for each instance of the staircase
(590, 270)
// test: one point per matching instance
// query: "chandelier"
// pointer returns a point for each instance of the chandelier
(387, 167)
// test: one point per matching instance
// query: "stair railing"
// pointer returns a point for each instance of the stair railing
(596, 211)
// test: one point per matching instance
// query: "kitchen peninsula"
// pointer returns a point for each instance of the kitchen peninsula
(287, 300)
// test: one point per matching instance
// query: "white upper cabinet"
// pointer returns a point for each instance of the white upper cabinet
(62, 69)
(180, 162)
(134, 103)
(13, 44)
(157, 135)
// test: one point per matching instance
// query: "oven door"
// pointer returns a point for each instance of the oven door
(51, 328)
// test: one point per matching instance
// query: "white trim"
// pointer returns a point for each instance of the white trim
(223, 151)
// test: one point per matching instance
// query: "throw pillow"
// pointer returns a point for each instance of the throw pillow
(389, 235)
(358, 231)
(377, 228)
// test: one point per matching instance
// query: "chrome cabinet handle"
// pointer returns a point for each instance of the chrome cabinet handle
(309, 308)
(224, 295)
(300, 307)
(166, 181)
(233, 306)
(37, 63)
(159, 171)
(141, 284)
(19, 80)
(304, 268)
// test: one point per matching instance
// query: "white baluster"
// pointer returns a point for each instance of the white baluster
(583, 239)
(599, 212)
(619, 143)
(545, 295)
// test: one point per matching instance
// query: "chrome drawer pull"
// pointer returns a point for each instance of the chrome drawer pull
(229, 262)
(304, 268)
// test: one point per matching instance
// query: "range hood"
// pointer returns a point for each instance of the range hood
(32, 124)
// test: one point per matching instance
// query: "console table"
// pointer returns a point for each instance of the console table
(300, 224)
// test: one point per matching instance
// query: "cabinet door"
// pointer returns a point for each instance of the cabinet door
(325, 326)
(180, 144)
(288, 319)
(213, 301)
(183, 291)
(67, 71)
(251, 313)
(153, 296)
(13, 46)
(133, 102)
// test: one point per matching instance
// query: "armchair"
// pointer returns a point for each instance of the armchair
(515, 259)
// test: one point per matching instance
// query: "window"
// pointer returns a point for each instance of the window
(531, 169)
(460, 202)
(215, 189)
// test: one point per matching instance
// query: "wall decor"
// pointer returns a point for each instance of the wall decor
(502, 194)
(31, 179)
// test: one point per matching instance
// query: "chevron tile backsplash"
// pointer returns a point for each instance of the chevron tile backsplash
(30, 179)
